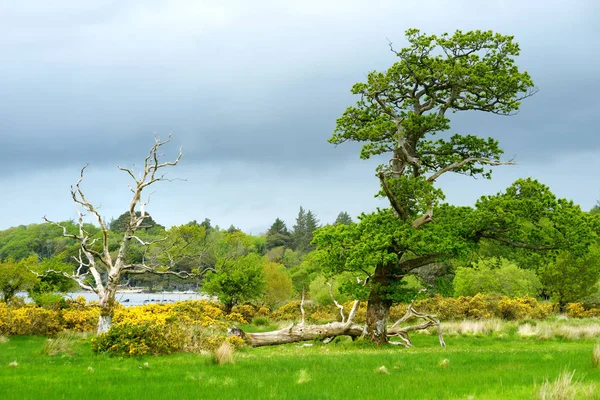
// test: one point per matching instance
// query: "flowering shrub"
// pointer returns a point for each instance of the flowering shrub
(578, 310)
(81, 320)
(485, 307)
(523, 308)
(138, 339)
(28, 320)
(248, 311)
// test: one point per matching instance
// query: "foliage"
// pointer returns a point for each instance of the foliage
(304, 273)
(130, 339)
(28, 320)
(319, 290)
(186, 248)
(16, 276)
(236, 280)
(570, 278)
(343, 218)
(45, 291)
(278, 285)
(495, 276)
(278, 235)
(485, 306)
(306, 223)
(120, 224)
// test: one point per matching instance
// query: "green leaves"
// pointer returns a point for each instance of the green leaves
(399, 110)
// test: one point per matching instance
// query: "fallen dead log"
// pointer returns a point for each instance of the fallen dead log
(327, 332)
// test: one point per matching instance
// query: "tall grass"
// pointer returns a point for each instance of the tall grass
(596, 356)
(223, 354)
(63, 343)
(564, 388)
(472, 327)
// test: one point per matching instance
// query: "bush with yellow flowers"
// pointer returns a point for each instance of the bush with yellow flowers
(523, 308)
(579, 310)
(139, 338)
(248, 311)
(28, 320)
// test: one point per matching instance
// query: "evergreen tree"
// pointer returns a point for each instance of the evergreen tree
(343, 218)
(298, 236)
(206, 224)
(278, 235)
(312, 223)
(120, 224)
(306, 223)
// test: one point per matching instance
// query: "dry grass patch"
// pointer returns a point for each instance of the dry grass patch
(4, 339)
(63, 343)
(473, 327)
(224, 354)
(565, 388)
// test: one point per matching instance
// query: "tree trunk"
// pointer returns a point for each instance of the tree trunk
(378, 307)
(107, 304)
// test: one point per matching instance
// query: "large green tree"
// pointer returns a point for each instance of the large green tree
(16, 276)
(237, 275)
(399, 113)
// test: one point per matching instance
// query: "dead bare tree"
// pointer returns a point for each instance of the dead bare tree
(99, 271)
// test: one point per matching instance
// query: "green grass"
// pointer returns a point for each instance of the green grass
(479, 367)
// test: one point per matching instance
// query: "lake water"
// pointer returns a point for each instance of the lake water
(136, 299)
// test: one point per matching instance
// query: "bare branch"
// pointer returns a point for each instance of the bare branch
(338, 305)
(302, 323)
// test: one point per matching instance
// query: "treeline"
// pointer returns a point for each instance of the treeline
(228, 263)
(277, 266)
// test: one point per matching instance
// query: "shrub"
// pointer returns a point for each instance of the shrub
(51, 301)
(131, 339)
(495, 276)
(248, 311)
(28, 320)
(81, 320)
(578, 310)
(290, 311)
(236, 317)
(523, 308)
(319, 291)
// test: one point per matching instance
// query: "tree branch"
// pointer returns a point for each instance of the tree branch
(462, 163)
(391, 197)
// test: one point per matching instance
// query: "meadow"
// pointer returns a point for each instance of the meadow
(483, 360)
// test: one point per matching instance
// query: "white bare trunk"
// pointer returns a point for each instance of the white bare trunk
(104, 323)
(299, 333)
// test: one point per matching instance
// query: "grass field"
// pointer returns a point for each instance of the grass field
(471, 367)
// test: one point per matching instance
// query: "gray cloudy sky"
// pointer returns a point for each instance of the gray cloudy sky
(251, 91)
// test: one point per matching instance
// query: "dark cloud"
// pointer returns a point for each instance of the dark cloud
(261, 83)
